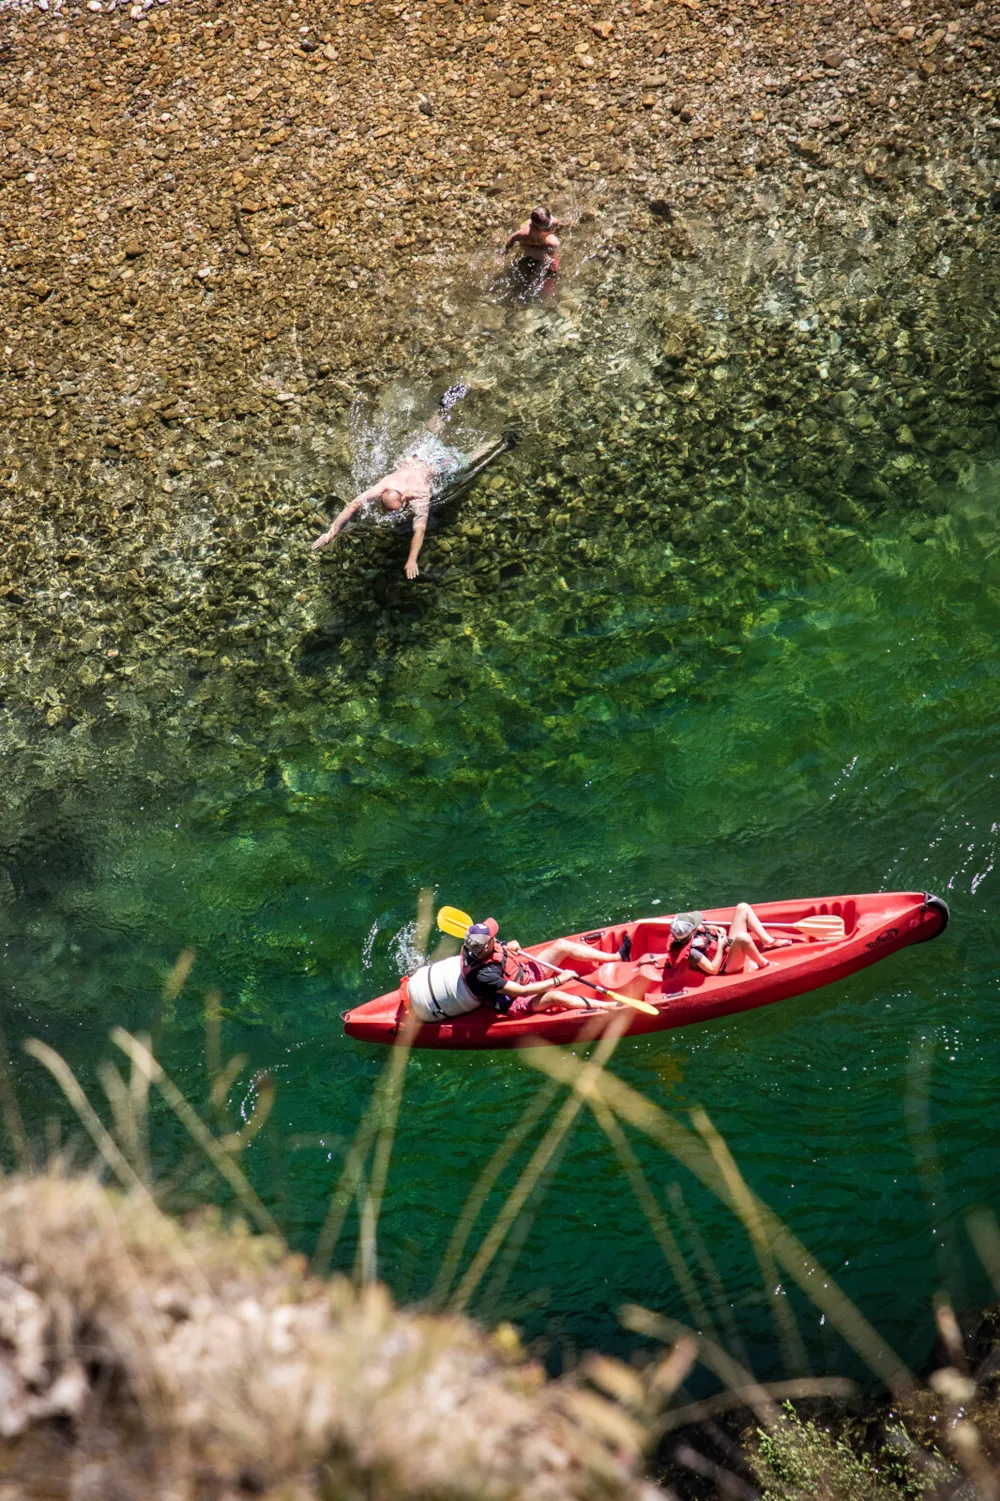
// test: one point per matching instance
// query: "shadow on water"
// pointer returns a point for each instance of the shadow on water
(53, 851)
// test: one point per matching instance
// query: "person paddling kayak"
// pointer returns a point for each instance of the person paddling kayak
(428, 468)
(696, 944)
(501, 975)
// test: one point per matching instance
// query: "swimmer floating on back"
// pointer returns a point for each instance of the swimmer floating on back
(428, 468)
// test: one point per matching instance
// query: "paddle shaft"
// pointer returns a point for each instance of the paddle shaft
(614, 995)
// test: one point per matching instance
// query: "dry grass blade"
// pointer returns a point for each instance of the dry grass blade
(213, 1036)
(235, 1141)
(425, 918)
(985, 1236)
(727, 1484)
(367, 1257)
(177, 978)
(673, 1370)
(722, 1304)
(352, 1187)
(729, 1371)
(123, 1108)
(793, 1349)
(223, 1080)
(791, 1254)
(803, 1387)
(967, 1446)
(484, 1185)
(930, 1171)
(139, 1091)
(655, 1216)
(351, 1178)
(220, 1159)
(73, 1090)
(538, 1162)
(506, 1260)
(13, 1124)
(951, 1334)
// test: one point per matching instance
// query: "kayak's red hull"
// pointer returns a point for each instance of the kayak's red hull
(876, 925)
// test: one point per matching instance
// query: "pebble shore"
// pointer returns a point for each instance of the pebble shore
(222, 225)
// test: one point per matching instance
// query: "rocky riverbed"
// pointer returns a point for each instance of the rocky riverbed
(244, 247)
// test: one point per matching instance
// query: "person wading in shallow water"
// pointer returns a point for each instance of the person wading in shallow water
(538, 246)
(502, 976)
(425, 471)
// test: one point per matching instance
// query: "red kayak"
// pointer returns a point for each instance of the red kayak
(875, 926)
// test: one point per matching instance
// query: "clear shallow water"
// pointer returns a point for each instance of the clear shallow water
(579, 759)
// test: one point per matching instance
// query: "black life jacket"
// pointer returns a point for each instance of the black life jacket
(513, 969)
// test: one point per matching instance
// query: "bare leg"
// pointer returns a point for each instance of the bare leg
(568, 948)
(746, 927)
(490, 446)
(562, 1000)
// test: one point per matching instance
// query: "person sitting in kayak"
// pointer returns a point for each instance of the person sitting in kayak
(426, 470)
(501, 975)
(707, 947)
(538, 246)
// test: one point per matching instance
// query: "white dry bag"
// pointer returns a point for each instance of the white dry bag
(437, 991)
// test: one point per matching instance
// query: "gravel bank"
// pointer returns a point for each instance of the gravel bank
(223, 224)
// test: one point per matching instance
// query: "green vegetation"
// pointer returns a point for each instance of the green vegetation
(800, 1460)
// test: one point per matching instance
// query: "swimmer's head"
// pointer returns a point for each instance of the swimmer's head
(541, 218)
(391, 500)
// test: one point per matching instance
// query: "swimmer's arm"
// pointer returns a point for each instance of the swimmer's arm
(420, 509)
(341, 521)
(517, 238)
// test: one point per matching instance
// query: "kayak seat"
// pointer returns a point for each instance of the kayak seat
(628, 978)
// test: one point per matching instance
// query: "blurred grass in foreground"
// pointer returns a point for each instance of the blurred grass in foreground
(201, 1354)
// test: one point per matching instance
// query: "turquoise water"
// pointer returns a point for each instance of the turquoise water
(595, 748)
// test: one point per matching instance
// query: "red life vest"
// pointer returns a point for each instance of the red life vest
(680, 956)
(513, 967)
(677, 955)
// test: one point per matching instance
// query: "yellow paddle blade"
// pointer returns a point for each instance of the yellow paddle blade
(452, 920)
(628, 1000)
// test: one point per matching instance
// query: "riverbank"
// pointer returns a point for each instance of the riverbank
(146, 1359)
(221, 227)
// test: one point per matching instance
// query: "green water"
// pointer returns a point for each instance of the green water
(596, 748)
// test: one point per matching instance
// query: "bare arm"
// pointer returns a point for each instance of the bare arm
(417, 541)
(537, 987)
(712, 966)
(352, 507)
(516, 238)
